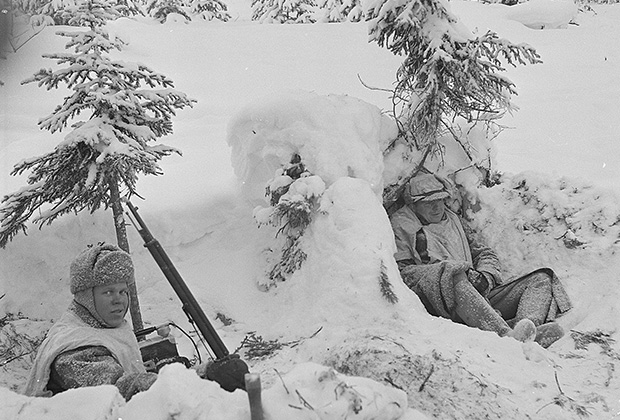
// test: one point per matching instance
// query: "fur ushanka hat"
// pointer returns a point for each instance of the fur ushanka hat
(99, 265)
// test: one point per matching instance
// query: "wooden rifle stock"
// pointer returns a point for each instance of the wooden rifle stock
(190, 305)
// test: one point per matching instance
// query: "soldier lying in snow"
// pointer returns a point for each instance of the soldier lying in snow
(457, 278)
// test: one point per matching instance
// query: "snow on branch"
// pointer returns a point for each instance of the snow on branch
(127, 106)
(449, 78)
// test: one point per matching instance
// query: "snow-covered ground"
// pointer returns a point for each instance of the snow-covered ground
(265, 91)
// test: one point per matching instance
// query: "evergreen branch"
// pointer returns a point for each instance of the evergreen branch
(386, 287)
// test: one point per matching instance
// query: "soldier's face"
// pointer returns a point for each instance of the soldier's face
(112, 302)
(430, 211)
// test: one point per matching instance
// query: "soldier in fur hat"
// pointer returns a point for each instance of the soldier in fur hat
(92, 343)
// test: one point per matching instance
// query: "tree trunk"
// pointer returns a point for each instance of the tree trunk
(123, 243)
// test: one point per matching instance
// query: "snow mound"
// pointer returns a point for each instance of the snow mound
(313, 391)
(93, 403)
(335, 135)
(347, 249)
(544, 14)
(348, 245)
(307, 391)
(180, 393)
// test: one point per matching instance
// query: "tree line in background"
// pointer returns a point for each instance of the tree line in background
(268, 11)
(60, 12)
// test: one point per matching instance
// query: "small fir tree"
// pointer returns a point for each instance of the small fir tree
(127, 106)
(58, 10)
(209, 10)
(131, 8)
(284, 11)
(160, 9)
(448, 75)
(342, 11)
(294, 195)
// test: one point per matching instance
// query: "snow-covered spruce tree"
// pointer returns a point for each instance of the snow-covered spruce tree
(49, 8)
(209, 10)
(448, 75)
(60, 11)
(160, 9)
(284, 11)
(126, 106)
(341, 11)
(130, 7)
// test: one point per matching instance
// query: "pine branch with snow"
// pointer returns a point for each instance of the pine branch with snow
(342, 11)
(76, 13)
(131, 7)
(90, 13)
(209, 10)
(284, 11)
(160, 9)
(387, 289)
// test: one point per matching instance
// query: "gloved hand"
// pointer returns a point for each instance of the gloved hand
(479, 281)
(229, 372)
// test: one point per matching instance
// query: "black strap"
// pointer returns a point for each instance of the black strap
(421, 246)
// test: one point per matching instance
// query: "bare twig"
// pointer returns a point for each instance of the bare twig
(303, 401)
(6, 362)
(421, 388)
(282, 380)
(390, 381)
(16, 48)
(370, 87)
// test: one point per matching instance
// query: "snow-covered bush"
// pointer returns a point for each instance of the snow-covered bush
(563, 211)
(62, 11)
(54, 8)
(161, 9)
(209, 10)
(341, 11)
(294, 195)
(130, 7)
(284, 11)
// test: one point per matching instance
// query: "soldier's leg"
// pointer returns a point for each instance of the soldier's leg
(476, 311)
(528, 297)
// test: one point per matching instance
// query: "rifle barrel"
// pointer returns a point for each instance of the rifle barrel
(190, 305)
